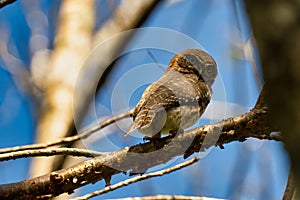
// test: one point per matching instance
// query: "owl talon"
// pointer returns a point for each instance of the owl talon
(174, 132)
(155, 137)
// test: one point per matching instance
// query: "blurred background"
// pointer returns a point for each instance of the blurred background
(30, 49)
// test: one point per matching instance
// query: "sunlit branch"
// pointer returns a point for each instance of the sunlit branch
(49, 152)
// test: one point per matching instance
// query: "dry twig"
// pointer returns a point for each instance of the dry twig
(138, 178)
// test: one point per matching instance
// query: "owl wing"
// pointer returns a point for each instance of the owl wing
(152, 101)
(155, 99)
(169, 92)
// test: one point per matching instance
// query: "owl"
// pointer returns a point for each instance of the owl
(178, 99)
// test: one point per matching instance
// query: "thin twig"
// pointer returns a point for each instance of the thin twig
(68, 140)
(169, 197)
(49, 152)
(155, 60)
(138, 178)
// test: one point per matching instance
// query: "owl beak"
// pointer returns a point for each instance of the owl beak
(198, 71)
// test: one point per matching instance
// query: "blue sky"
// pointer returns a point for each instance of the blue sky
(253, 169)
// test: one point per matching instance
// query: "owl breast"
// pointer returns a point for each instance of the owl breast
(173, 119)
(181, 118)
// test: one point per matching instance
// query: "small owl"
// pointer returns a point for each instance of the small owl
(178, 99)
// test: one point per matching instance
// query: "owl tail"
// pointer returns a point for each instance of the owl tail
(131, 129)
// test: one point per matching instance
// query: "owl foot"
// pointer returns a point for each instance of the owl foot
(155, 137)
(175, 132)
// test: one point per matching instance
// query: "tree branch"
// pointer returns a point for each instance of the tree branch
(169, 197)
(138, 178)
(49, 152)
(62, 69)
(146, 155)
(276, 29)
(4, 3)
(290, 190)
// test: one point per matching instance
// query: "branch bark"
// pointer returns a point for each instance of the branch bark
(252, 124)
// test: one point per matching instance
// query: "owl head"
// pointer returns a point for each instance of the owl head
(195, 61)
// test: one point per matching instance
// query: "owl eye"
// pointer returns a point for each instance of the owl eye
(209, 70)
(191, 59)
